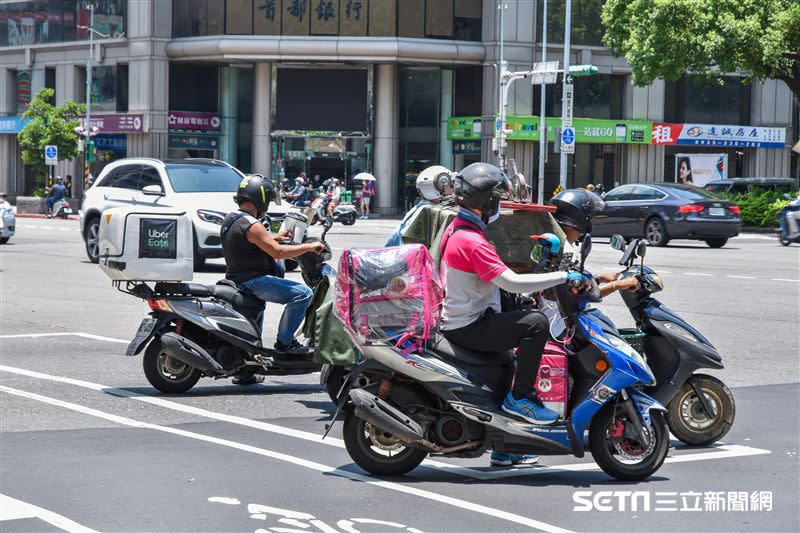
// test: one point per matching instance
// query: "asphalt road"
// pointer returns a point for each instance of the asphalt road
(87, 444)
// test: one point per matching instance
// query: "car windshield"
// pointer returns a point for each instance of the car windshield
(690, 192)
(202, 178)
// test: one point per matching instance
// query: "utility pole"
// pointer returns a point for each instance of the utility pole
(499, 142)
(88, 125)
(567, 81)
(542, 107)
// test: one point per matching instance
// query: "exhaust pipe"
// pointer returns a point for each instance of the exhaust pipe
(382, 415)
(188, 352)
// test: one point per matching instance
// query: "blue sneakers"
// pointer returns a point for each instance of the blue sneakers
(510, 459)
(529, 409)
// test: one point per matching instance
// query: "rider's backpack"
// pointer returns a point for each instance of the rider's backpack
(389, 293)
(552, 380)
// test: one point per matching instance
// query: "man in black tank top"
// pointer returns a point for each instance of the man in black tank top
(251, 254)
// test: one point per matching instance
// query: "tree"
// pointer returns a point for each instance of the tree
(665, 38)
(48, 124)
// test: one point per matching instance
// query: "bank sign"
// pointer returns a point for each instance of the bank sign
(718, 135)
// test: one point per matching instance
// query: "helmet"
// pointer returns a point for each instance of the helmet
(300, 179)
(576, 207)
(433, 182)
(550, 243)
(590, 187)
(257, 190)
(480, 186)
(58, 179)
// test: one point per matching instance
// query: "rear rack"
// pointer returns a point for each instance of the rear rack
(141, 289)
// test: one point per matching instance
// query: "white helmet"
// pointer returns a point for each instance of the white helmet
(434, 182)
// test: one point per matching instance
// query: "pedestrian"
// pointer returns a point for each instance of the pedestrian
(367, 193)
(68, 185)
(317, 181)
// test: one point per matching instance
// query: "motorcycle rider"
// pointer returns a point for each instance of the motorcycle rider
(473, 275)
(298, 194)
(335, 192)
(57, 193)
(788, 228)
(433, 185)
(251, 255)
(574, 211)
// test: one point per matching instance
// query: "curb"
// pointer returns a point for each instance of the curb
(39, 215)
(755, 229)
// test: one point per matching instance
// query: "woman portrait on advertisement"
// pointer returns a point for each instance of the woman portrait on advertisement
(685, 171)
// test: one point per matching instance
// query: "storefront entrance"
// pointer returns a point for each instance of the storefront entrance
(333, 156)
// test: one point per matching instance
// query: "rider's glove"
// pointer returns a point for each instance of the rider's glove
(577, 279)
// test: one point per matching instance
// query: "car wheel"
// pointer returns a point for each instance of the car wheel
(92, 239)
(199, 260)
(717, 242)
(655, 232)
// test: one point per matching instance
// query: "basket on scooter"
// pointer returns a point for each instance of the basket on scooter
(384, 293)
(634, 337)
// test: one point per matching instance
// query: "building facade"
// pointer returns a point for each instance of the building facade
(336, 87)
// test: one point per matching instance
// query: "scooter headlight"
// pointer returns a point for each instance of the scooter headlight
(680, 331)
(628, 350)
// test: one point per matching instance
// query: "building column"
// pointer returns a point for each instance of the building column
(262, 128)
(386, 138)
(445, 110)
(229, 98)
(8, 141)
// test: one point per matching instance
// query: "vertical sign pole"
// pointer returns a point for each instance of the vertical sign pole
(542, 123)
(88, 124)
(567, 34)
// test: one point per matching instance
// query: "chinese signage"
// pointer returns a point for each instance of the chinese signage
(198, 122)
(194, 142)
(112, 143)
(116, 123)
(467, 147)
(11, 124)
(317, 17)
(463, 128)
(587, 130)
(716, 135)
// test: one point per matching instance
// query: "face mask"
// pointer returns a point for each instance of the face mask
(495, 216)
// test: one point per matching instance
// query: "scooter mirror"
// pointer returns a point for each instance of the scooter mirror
(641, 249)
(617, 242)
(586, 248)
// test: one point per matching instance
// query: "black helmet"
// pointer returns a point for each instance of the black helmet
(576, 207)
(480, 186)
(259, 191)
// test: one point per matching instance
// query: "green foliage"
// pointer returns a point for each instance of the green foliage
(48, 124)
(665, 38)
(759, 209)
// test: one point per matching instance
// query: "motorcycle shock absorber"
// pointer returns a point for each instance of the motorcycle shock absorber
(179, 323)
(384, 389)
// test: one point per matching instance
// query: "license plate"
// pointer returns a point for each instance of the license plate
(142, 334)
(67, 210)
(716, 211)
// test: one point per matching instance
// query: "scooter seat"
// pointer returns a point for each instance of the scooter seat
(460, 355)
(228, 292)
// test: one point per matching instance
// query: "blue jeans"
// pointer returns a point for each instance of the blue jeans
(282, 291)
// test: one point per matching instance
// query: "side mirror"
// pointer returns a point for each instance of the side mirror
(617, 242)
(153, 190)
(641, 248)
(586, 248)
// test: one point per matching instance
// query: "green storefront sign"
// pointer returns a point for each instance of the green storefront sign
(587, 130)
(193, 142)
(464, 128)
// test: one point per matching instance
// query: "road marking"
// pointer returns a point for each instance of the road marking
(783, 279)
(697, 274)
(59, 334)
(325, 469)
(722, 451)
(13, 509)
(741, 277)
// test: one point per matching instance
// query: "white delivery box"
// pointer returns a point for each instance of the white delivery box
(146, 244)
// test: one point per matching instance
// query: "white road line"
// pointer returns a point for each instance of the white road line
(783, 279)
(36, 335)
(413, 491)
(697, 274)
(13, 509)
(723, 451)
(740, 277)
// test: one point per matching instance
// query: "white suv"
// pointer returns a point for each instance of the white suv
(202, 187)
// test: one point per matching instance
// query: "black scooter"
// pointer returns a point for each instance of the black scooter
(792, 234)
(700, 408)
(197, 330)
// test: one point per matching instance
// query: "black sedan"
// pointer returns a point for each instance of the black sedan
(663, 211)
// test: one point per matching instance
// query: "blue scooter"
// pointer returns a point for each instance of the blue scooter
(445, 399)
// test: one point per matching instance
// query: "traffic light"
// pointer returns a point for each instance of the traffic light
(91, 151)
(582, 70)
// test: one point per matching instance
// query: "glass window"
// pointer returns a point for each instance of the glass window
(587, 28)
(642, 192)
(620, 193)
(439, 19)
(109, 179)
(696, 99)
(54, 21)
(690, 192)
(593, 97)
(203, 178)
(180, 18)
(193, 87)
(382, 18)
(149, 176)
(468, 91)
(467, 20)
(411, 18)
(127, 177)
(104, 89)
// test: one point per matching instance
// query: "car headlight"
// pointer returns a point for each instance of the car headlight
(215, 217)
(628, 350)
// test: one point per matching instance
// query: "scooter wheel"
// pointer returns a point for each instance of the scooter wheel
(687, 419)
(349, 220)
(623, 459)
(165, 373)
(785, 241)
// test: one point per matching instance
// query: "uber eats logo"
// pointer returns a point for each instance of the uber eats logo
(157, 238)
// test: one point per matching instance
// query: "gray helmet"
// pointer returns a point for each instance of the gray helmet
(259, 191)
(481, 186)
(576, 207)
(434, 182)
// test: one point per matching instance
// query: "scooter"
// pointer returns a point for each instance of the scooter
(197, 330)
(61, 208)
(700, 408)
(344, 213)
(791, 214)
(443, 399)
